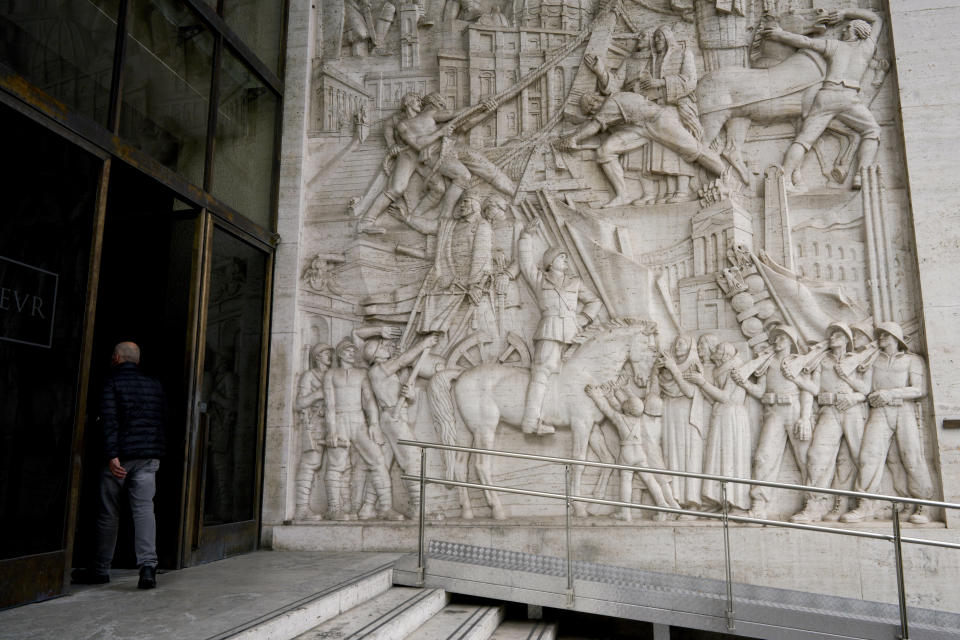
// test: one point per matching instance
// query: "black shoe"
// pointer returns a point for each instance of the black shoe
(148, 577)
(88, 576)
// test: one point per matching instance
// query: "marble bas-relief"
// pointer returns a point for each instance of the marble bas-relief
(670, 233)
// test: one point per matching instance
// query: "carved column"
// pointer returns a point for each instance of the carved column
(776, 218)
(409, 37)
(878, 244)
(717, 227)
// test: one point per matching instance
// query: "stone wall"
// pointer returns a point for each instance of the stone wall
(692, 323)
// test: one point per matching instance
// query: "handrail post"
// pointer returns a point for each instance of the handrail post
(726, 553)
(901, 590)
(569, 503)
(421, 569)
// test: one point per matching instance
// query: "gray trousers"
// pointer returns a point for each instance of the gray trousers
(141, 482)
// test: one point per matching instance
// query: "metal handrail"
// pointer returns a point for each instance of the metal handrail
(714, 515)
(723, 515)
(685, 474)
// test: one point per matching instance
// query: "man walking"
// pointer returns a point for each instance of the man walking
(133, 414)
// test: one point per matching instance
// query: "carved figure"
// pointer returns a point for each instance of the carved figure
(504, 264)
(558, 295)
(393, 397)
(673, 74)
(839, 98)
(786, 415)
(359, 27)
(310, 406)
(841, 395)
(733, 98)
(624, 78)
(439, 150)
(728, 442)
(683, 418)
(637, 447)
(491, 393)
(467, 10)
(400, 163)
(899, 381)
(633, 121)
(361, 123)
(353, 419)
(456, 286)
(494, 18)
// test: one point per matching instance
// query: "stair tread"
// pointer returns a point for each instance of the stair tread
(460, 622)
(380, 613)
(525, 630)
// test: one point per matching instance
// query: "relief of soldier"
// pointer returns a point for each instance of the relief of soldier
(667, 149)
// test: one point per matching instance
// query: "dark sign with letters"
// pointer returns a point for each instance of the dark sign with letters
(28, 297)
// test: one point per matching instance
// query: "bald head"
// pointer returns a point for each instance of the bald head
(126, 352)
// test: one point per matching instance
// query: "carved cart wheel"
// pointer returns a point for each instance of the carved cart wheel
(469, 352)
(516, 352)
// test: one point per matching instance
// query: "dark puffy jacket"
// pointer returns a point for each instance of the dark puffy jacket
(133, 411)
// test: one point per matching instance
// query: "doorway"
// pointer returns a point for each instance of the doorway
(144, 296)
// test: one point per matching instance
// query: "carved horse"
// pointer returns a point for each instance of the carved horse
(732, 98)
(492, 393)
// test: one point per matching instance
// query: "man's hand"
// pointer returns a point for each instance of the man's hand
(843, 403)
(695, 377)
(376, 434)
(431, 340)
(117, 469)
(772, 33)
(476, 294)
(648, 82)
(787, 372)
(593, 392)
(591, 61)
(390, 333)
(803, 429)
(567, 143)
(832, 18)
(879, 399)
(408, 391)
(488, 104)
(532, 227)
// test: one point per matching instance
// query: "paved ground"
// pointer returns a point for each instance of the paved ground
(197, 603)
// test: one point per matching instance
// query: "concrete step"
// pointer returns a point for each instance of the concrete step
(460, 622)
(393, 614)
(309, 612)
(517, 630)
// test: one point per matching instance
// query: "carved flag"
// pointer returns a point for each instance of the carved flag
(810, 305)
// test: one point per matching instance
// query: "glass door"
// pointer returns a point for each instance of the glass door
(49, 247)
(227, 443)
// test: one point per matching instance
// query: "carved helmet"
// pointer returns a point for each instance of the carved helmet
(865, 327)
(370, 348)
(893, 329)
(550, 255)
(840, 326)
(319, 348)
(343, 345)
(786, 330)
